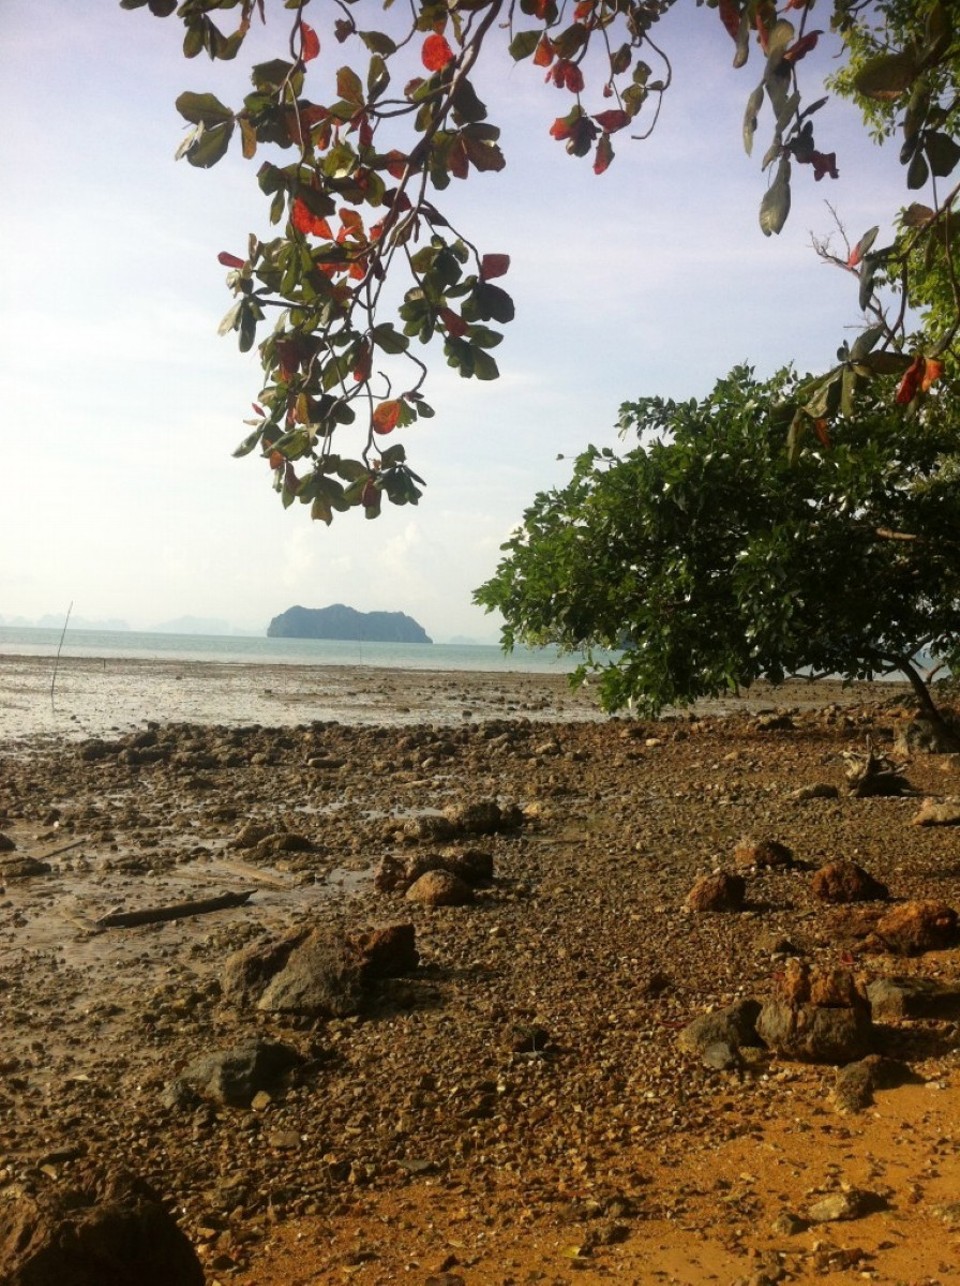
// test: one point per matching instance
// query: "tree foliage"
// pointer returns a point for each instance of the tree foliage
(370, 113)
(712, 560)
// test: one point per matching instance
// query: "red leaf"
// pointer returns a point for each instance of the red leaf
(824, 163)
(802, 47)
(361, 371)
(730, 17)
(823, 434)
(543, 54)
(277, 461)
(257, 408)
(561, 128)
(397, 166)
(612, 121)
(436, 53)
(370, 496)
(494, 266)
(454, 323)
(229, 260)
(305, 221)
(386, 415)
(309, 43)
(604, 154)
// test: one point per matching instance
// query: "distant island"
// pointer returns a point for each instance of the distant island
(346, 623)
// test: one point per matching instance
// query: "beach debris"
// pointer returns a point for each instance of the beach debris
(938, 812)
(233, 1076)
(816, 790)
(440, 888)
(175, 911)
(762, 853)
(816, 1015)
(845, 881)
(871, 775)
(721, 891)
(915, 927)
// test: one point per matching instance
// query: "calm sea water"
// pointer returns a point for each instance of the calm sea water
(209, 647)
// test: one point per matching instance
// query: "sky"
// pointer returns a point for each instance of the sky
(121, 405)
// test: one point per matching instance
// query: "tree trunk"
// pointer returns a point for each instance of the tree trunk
(947, 738)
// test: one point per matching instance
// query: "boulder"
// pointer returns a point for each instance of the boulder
(481, 817)
(916, 927)
(113, 1234)
(894, 998)
(816, 1016)
(234, 1076)
(311, 972)
(721, 891)
(762, 853)
(396, 874)
(440, 888)
(847, 882)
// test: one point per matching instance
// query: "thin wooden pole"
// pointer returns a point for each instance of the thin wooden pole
(56, 664)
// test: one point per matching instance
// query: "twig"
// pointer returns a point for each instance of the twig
(177, 911)
(56, 664)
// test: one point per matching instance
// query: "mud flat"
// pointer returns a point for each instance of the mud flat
(517, 1107)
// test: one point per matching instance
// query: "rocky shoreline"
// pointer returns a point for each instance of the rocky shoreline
(508, 1089)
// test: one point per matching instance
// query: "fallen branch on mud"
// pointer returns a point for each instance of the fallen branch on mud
(176, 911)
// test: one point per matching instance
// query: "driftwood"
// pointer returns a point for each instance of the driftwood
(871, 774)
(175, 911)
(64, 848)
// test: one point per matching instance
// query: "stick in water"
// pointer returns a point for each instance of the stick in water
(56, 664)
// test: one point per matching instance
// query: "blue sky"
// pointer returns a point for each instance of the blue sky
(121, 405)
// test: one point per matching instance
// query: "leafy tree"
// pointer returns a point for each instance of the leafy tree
(351, 173)
(713, 560)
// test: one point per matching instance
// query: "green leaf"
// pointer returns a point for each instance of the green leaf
(250, 442)
(208, 146)
(918, 172)
(395, 454)
(943, 153)
(350, 86)
(378, 42)
(754, 103)
(523, 44)
(484, 366)
(203, 109)
(775, 205)
(886, 76)
(866, 339)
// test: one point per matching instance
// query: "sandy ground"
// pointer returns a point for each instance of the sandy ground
(424, 1143)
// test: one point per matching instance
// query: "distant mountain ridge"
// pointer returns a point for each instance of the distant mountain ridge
(345, 623)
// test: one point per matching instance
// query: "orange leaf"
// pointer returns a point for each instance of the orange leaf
(309, 43)
(604, 154)
(494, 266)
(305, 221)
(912, 377)
(543, 54)
(933, 369)
(823, 434)
(397, 164)
(277, 461)
(436, 53)
(730, 17)
(386, 415)
(802, 47)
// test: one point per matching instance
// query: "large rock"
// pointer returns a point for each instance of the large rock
(115, 1234)
(440, 888)
(482, 817)
(310, 971)
(847, 882)
(817, 1016)
(396, 873)
(762, 853)
(719, 1036)
(234, 1076)
(895, 998)
(721, 891)
(916, 927)
(387, 952)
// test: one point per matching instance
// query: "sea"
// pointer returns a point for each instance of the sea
(131, 644)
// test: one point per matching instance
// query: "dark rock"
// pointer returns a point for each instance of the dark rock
(431, 827)
(396, 874)
(440, 888)
(855, 1083)
(21, 867)
(234, 1076)
(773, 722)
(118, 1234)
(719, 892)
(311, 971)
(388, 952)
(916, 927)
(847, 882)
(6, 843)
(95, 749)
(892, 999)
(735, 1027)
(762, 853)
